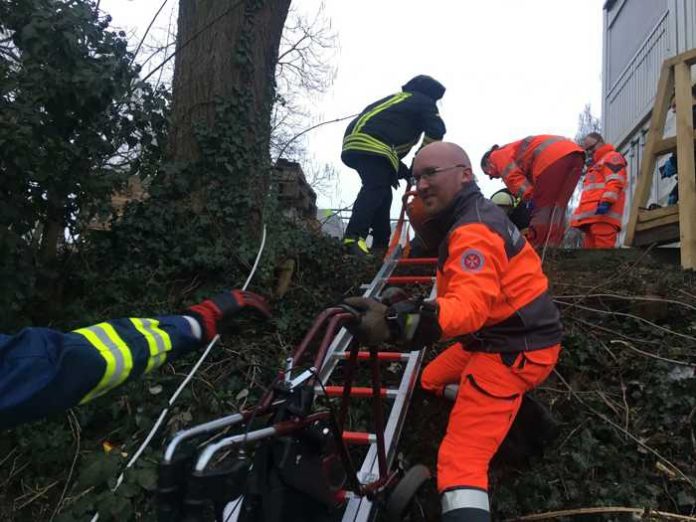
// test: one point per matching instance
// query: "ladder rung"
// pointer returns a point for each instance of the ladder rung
(359, 437)
(409, 280)
(418, 261)
(382, 356)
(355, 391)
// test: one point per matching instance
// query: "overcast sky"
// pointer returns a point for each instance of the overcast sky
(511, 67)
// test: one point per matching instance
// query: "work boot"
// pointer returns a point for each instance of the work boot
(356, 246)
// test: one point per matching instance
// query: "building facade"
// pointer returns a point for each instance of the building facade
(638, 36)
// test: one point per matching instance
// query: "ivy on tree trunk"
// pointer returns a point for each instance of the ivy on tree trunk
(226, 54)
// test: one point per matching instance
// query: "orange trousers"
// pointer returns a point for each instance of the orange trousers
(490, 394)
(600, 235)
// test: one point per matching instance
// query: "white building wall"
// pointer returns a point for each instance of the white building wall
(638, 36)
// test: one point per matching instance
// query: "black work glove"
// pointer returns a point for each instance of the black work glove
(414, 323)
(410, 322)
(404, 171)
(214, 314)
(370, 327)
(392, 295)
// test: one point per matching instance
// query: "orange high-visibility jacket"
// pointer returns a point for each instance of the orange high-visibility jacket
(520, 163)
(605, 181)
(491, 290)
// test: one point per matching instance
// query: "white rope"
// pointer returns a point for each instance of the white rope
(183, 384)
(548, 233)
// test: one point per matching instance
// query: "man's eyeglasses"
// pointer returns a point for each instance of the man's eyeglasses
(592, 147)
(428, 174)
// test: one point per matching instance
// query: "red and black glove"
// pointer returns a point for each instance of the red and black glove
(215, 313)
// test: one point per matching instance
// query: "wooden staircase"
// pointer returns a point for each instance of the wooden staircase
(678, 222)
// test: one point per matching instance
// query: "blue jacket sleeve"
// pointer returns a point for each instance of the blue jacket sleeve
(44, 371)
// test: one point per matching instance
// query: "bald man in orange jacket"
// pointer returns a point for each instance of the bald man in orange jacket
(492, 296)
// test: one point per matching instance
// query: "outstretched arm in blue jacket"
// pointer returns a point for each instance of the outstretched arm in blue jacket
(44, 371)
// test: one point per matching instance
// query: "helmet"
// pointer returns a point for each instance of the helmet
(486, 156)
(425, 85)
(503, 199)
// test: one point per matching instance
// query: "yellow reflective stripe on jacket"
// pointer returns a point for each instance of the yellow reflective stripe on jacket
(402, 150)
(427, 140)
(158, 341)
(366, 143)
(116, 354)
(397, 98)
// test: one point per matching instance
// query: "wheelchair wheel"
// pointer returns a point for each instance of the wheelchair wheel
(403, 503)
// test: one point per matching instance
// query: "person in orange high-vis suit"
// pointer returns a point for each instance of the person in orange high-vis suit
(542, 170)
(492, 296)
(601, 207)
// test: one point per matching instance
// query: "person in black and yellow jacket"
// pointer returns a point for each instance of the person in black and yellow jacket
(44, 371)
(373, 145)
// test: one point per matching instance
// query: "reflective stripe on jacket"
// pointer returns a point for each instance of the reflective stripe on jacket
(605, 181)
(491, 290)
(44, 371)
(519, 164)
(391, 126)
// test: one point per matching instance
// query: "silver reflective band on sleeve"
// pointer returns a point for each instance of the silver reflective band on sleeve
(610, 195)
(544, 145)
(464, 498)
(451, 391)
(523, 147)
(614, 176)
(524, 187)
(593, 186)
(116, 355)
(506, 171)
(196, 327)
(158, 341)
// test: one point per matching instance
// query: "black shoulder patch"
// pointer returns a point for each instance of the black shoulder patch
(615, 167)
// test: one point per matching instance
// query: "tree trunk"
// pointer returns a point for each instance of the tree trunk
(48, 288)
(208, 64)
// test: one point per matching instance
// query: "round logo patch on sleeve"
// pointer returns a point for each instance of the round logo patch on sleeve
(472, 260)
